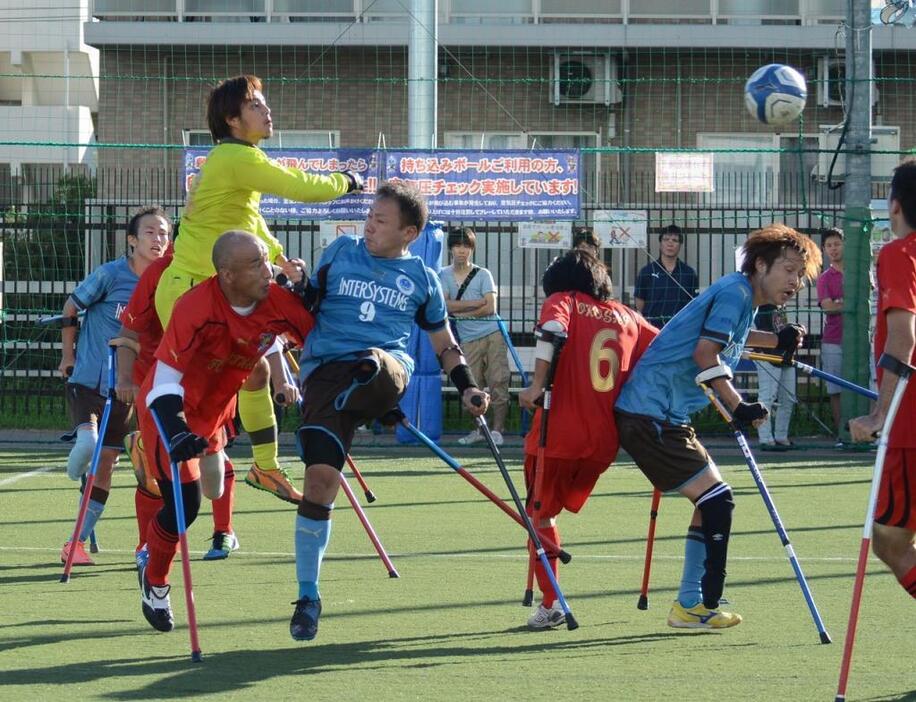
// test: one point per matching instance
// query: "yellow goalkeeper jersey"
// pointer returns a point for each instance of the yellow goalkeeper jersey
(226, 194)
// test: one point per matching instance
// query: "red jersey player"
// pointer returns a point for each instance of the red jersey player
(895, 338)
(604, 339)
(218, 332)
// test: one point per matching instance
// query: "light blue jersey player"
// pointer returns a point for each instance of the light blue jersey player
(703, 344)
(366, 295)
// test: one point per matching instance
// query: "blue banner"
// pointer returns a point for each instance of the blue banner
(466, 185)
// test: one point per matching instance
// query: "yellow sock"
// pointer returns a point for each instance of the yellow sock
(257, 413)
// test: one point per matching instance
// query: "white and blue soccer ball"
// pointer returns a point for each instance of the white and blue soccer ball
(775, 94)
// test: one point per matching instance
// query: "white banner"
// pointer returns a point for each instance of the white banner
(545, 235)
(328, 231)
(684, 173)
(621, 229)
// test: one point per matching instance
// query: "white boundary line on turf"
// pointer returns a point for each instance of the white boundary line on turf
(498, 556)
(30, 474)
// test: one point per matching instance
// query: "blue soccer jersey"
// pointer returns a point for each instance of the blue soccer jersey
(662, 385)
(103, 295)
(370, 302)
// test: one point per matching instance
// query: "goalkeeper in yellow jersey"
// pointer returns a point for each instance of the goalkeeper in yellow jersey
(226, 195)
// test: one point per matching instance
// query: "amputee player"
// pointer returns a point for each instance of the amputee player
(894, 535)
(601, 342)
(219, 332)
(102, 295)
(368, 294)
(226, 196)
(703, 344)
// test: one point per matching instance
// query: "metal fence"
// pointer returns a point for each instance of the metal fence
(52, 236)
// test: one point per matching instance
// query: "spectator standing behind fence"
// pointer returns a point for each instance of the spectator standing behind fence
(830, 298)
(666, 285)
(584, 239)
(774, 383)
(470, 294)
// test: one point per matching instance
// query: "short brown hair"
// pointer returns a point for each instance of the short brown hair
(463, 236)
(830, 233)
(585, 235)
(225, 102)
(411, 203)
(133, 224)
(771, 242)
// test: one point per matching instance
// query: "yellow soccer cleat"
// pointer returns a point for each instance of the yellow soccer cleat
(700, 618)
(274, 481)
(133, 444)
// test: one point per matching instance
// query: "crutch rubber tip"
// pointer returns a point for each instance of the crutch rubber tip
(840, 698)
(528, 598)
(370, 496)
(197, 657)
(643, 602)
(65, 578)
(825, 638)
(564, 556)
(93, 548)
(571, 622)
(393, 574)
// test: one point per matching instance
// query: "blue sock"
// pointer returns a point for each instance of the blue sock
(690, 593)
(93, 512)
(312, 538)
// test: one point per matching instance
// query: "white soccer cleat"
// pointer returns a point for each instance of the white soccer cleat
(547, 617)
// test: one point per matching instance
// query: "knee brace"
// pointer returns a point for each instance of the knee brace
(81, 453)
(319, 446)
(190, 499)
(716, 506)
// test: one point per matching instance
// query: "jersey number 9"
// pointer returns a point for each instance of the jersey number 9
(366, 311)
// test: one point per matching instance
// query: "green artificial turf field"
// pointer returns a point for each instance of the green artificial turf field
(452, 626)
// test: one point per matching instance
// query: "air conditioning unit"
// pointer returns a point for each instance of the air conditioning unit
(831, 82)
(583, 79)
(883, 138)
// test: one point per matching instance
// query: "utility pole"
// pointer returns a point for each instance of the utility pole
(422, 74)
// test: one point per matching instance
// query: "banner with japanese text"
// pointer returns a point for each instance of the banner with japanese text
(458, 185)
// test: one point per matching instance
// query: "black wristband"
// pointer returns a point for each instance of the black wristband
(169, 409)
(462, 378)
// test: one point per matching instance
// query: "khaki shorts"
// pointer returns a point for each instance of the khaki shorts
(365, 402)
(86, 406)
(670, 455)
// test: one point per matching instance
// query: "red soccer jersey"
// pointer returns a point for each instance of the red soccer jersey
(897, 290)
(216, 348)
(604, 341)
(140, 316)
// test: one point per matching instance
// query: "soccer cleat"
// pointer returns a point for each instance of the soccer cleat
(304, 624)
(699, 617)
(133, 444)
(471, 438)
(155, 602)
(223, 544)
(80, 557)
(275, 481)
(547, 617)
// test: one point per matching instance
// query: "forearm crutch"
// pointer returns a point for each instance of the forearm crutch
(771, 508)
(571, 622)
(483, 489)
(182, 527)
(504, 331)
(903, 371)
(812, 371)
(650, 545)
(93, 467)
(93, 541)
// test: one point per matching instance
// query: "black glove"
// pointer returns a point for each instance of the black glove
(790, 337)
(746, 413)
(186, 445)
(355, 180)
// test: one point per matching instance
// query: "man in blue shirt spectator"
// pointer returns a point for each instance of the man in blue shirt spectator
(667, 284)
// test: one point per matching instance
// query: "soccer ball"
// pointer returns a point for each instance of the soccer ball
(775, 94)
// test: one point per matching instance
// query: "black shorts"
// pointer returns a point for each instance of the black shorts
(365, 403)
(86, 406)
(669, 455)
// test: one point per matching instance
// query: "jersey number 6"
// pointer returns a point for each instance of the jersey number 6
(603, 382)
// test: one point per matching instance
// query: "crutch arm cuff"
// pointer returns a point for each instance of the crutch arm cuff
(895, 366)
(713, 373)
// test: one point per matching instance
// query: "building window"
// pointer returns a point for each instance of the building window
(485, 140)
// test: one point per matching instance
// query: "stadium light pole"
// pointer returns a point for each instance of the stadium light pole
(857, 259)
(422, 74)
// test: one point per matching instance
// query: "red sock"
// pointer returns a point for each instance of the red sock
(162, 546)
(909, 581)
(547, 592)
(222, 508)
(147, 506)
